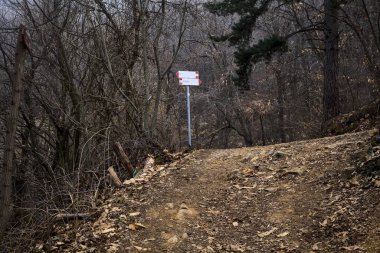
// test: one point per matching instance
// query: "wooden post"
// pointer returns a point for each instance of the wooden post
(6, 210)
(123, 157)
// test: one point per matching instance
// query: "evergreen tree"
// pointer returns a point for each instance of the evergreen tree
(248, 53)
(240, 36)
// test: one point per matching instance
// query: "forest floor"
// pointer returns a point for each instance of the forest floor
(309, 196)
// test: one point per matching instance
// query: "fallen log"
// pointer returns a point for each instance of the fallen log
(123, 157)
(115, 178)
(71, 216)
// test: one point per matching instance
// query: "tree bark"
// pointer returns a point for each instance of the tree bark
(331, 107)
(75, 98)
(262, 130)
(280, 101)
(160, 77)
(8, 170)
(144, 24)
(162, 73)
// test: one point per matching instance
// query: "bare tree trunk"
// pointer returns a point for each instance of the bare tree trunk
(162, 73)
(262, 130)
(331, 106)
(142, 9)
(8, 171)
(75, 98)
(160, 77)
(280, 101)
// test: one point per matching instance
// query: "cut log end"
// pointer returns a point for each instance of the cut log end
(114, 177)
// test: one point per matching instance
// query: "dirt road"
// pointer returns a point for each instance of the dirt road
(311, 196)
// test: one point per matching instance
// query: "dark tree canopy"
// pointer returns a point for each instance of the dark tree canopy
(240, 36)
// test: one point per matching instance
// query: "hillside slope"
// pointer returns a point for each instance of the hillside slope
(310, 196)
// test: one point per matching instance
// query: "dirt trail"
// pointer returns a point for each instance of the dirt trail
(306, 196)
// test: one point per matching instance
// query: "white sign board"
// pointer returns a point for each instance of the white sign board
(190, 81)
(187, 74)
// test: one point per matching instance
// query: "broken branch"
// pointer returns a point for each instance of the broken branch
(123, 157)
(114, 177)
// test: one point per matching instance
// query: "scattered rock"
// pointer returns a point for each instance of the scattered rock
(278, 154)
(173, 240)
(170, 205)
(183, 206)
(185, 213)
(315, 246)
(354, 181)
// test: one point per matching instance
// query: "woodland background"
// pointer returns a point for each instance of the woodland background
(100, 72)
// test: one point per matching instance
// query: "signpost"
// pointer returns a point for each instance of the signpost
(190, 82)
(188, 78)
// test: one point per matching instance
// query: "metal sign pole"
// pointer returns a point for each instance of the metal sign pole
(188, 78)
(188, 113)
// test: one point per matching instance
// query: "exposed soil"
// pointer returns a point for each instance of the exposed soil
(311, 196)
